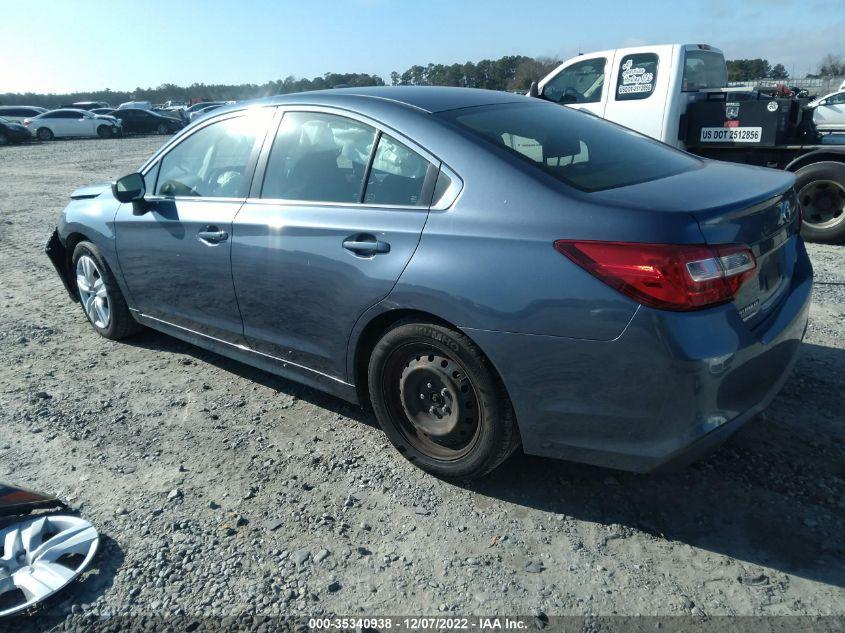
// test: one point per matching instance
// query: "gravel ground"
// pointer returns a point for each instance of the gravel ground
(220, 489)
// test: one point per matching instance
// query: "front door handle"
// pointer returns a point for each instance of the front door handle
(365, 245)
(212, 235)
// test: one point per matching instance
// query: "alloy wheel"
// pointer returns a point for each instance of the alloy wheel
(434, 401)
(823, 203)
(40, 556)
(92, 292)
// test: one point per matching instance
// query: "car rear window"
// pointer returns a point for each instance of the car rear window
(576, 148)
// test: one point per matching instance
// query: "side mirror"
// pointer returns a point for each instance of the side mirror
(533, 91)
(130, 188)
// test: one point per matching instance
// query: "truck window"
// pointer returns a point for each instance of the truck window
(580, 83)
(704, 70)
(637, 77)
(573, 147)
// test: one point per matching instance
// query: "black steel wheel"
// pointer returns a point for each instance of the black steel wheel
(439, 401)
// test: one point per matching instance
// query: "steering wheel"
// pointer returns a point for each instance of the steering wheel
(573, 93)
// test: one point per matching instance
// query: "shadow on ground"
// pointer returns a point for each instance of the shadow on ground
(769, 496)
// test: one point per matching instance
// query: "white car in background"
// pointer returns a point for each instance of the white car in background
(19, 114)
(71, 122)
(829, 111)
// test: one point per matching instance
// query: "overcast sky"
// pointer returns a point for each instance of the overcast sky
(69, 45)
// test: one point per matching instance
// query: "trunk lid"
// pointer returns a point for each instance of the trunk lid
(734, 204)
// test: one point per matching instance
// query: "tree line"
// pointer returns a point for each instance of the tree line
(511, 72)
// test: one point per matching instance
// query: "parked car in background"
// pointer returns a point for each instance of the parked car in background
(829, 113)
(67, 122)
(173, 104)
(87, 105)
(200, 106)
(193, 116)
(485, 269)
(136, 121)
(20, 113)
(13, 132)
(142, 105)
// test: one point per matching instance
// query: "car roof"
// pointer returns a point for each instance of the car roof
(426, 98)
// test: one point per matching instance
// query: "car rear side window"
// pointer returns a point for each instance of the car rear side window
(318, 157)
(637, 77)
(576, 148)
(212, 162)
(397, 176)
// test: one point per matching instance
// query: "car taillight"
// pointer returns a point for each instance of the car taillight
(666, 276)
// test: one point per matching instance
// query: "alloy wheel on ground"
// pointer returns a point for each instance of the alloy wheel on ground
(40, 556)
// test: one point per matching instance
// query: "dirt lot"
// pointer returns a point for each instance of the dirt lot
(290, 501)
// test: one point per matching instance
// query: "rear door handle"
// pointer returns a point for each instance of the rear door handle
(212, 235)
(365, 245)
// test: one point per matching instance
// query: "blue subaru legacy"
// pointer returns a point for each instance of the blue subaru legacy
(486, 271)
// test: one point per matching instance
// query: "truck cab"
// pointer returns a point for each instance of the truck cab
(646, 88)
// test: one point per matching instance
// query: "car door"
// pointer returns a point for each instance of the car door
(315, 248)
(175, 255)
(59, 122)
(633, 98)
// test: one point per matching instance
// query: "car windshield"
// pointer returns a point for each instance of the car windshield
(576, 148)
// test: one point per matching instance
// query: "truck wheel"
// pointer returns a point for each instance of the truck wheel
(439, 402)
(821, 192)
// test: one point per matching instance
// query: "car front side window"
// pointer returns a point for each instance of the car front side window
(580, 83)
(318, 157)
(212, 162)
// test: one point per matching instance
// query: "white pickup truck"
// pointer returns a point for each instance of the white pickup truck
(678, 94)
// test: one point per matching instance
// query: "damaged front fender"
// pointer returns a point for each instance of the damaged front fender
(57, 253)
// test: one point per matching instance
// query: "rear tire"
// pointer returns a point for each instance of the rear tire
(439, 401)
(821, 192)
(44, 134)
(99, 295)
(162, 129)
(4, 140)
(104, 131)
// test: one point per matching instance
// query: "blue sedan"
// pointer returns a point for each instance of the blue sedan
(484, 270)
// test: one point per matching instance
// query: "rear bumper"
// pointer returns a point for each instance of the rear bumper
(669, 388)
(57, 253)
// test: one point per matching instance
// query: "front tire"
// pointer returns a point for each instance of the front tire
(161, 129)
(99, 295)
(439, 401)
(104, 131)
(821, 192)
(44, 134)
(4, 140)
